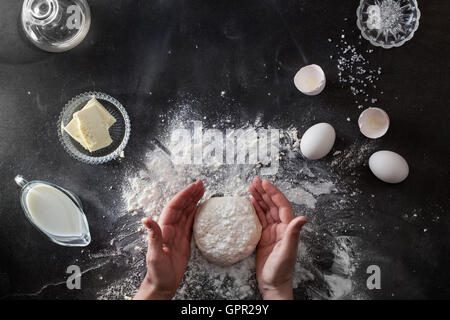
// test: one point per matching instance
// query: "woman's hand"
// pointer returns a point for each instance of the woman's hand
(169, 244)
(276, 253)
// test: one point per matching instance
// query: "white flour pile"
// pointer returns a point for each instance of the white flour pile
(324, 268)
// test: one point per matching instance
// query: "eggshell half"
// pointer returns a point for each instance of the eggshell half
(317, 141)
(388, 166)
(373, 123)
(310, 80)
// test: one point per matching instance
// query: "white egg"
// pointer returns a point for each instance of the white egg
(388, 166)
(310, 80)
(317, 141)
(373, 123)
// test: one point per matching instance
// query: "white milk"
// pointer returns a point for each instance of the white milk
(53, 211)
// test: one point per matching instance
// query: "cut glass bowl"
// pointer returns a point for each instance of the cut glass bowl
(388, 23)
(119, 131)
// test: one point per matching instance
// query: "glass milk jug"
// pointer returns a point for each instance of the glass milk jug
(56, 212)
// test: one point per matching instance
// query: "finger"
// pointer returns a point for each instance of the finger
(155, 242)
(190, 221)
(273, 208)
(257, 191)
(255, 194)
(257, 183)
(260, 213)
(200, 191)
(193, 208)
(173, 211)
(185, 197)
(262, 204)
(258, 199)
(284, 212)
(289, 244)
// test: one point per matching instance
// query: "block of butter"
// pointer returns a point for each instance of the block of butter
(90, 125)
(93, 128)
(109, 119)
(73, 130)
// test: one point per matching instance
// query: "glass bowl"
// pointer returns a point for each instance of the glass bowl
(56, 25)
(119, 131)
(388, 23)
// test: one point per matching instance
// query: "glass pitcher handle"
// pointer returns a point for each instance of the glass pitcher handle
(20, 181)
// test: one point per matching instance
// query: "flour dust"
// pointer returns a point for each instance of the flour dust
(326, 262)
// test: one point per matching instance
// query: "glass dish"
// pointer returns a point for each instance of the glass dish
(56, 25)
(119, 131)
(80, 240)
(388, 23)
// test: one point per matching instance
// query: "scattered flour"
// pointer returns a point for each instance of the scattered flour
(356, 155)
(299, 196)
(311, 190)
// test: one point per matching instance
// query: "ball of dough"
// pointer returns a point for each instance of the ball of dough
(226, 229)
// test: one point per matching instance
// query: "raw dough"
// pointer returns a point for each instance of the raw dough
(226, 229)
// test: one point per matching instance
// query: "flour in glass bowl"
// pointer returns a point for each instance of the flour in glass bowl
(324, 267)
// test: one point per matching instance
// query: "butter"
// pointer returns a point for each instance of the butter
(90, 126)
(109, 119)
(73, 130)
(93, 128)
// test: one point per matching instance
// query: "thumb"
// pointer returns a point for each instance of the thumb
(292, 235)
(154, 237)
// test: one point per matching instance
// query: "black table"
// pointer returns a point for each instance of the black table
(199, 48)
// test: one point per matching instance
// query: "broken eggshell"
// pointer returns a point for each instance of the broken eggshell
(373, 123)
(310, 80)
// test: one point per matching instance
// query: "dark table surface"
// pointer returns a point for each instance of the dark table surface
(198, 48)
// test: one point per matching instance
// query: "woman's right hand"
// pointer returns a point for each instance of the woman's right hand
(276, 253)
